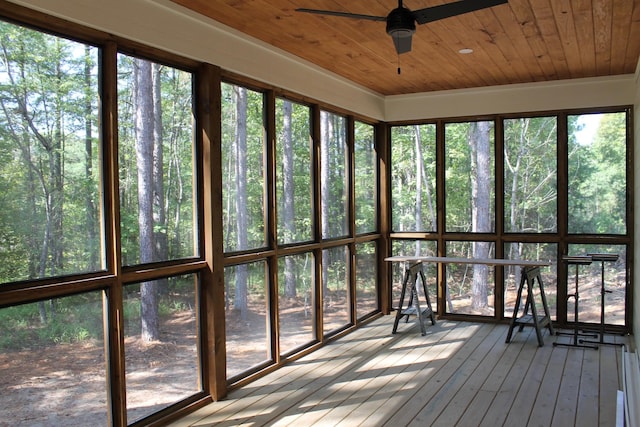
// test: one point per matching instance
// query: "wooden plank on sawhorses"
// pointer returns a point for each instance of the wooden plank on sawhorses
(528, 278)
(410, 287)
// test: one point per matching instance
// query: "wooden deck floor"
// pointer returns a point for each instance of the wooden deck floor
(460, 374)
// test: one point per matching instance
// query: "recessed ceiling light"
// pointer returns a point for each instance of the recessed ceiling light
(465, 51)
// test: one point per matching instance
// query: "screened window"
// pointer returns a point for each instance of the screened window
(161, 344)
(294, 174)
(52, 362)
(156, 156)
(50, 170)
(243, 168)
(366, 164)
(597, 173)
(335, 289)
(296, 301)
(413, 178)
(290, 209)
(602, 285)
(366, 279)
(333, 175)
(549, 275)
(415, 248)
(470, 288)
(534, 155)
(248, 342)
(530, 175)
(470, 177)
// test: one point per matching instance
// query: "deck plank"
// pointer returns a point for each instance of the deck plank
(446, 407)
(498, 373)
(564, 413)
(523, 403)
(588, 396)
(427, 390)
(399, 392)
(365, 398)
(459, 373)
(609, 381)
(545, 402)
(508, 389)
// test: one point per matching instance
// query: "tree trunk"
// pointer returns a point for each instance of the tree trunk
(92, 237)
(240, 302)
(481, 198)
(288, 194)
(419, 165)
(159, 208)
(144, 117)
(56, 182)
(424, 177)
(326, 133)
(160, 227)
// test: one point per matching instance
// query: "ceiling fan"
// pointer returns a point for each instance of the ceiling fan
(401, 22)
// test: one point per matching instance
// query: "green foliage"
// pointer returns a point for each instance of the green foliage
(459, 176)
(176, 144)
(79, 318)
(70, 320)
(256, 288)
(296, 225)
(530, 174)
(597, 177)
(49, 223)
(333, 175)
(243, 172)
(413, 176)
(365, 178)
(302, 271)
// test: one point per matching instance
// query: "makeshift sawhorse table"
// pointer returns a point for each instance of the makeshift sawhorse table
(410, 286)
(530, 274)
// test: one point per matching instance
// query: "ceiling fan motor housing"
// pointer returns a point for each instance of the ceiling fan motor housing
(401, 23)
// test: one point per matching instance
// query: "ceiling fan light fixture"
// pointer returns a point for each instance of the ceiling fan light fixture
(401, 25)
(401, 33)
(401, 22)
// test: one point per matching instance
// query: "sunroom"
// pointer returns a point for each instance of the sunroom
(197, 224)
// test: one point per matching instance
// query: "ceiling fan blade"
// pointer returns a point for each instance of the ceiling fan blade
(434, 13)
(343, 14)
(402, 44)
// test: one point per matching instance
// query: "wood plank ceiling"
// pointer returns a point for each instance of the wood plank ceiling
(519, 42)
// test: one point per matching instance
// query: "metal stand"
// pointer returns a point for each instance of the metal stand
(603, 291)
(577, 261)
(410, 284)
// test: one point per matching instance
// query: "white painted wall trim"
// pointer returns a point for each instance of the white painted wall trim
(529, 97)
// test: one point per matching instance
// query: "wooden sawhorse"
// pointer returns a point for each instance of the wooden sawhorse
(528, 278)
(410, 286)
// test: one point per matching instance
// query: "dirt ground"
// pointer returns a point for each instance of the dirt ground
(65, 384)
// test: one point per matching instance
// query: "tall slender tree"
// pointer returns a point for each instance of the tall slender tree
(288, 193)
(34, 102)
(159, 203)
(240, 147)
(479, 141)
(90, 205)
(144, 135)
